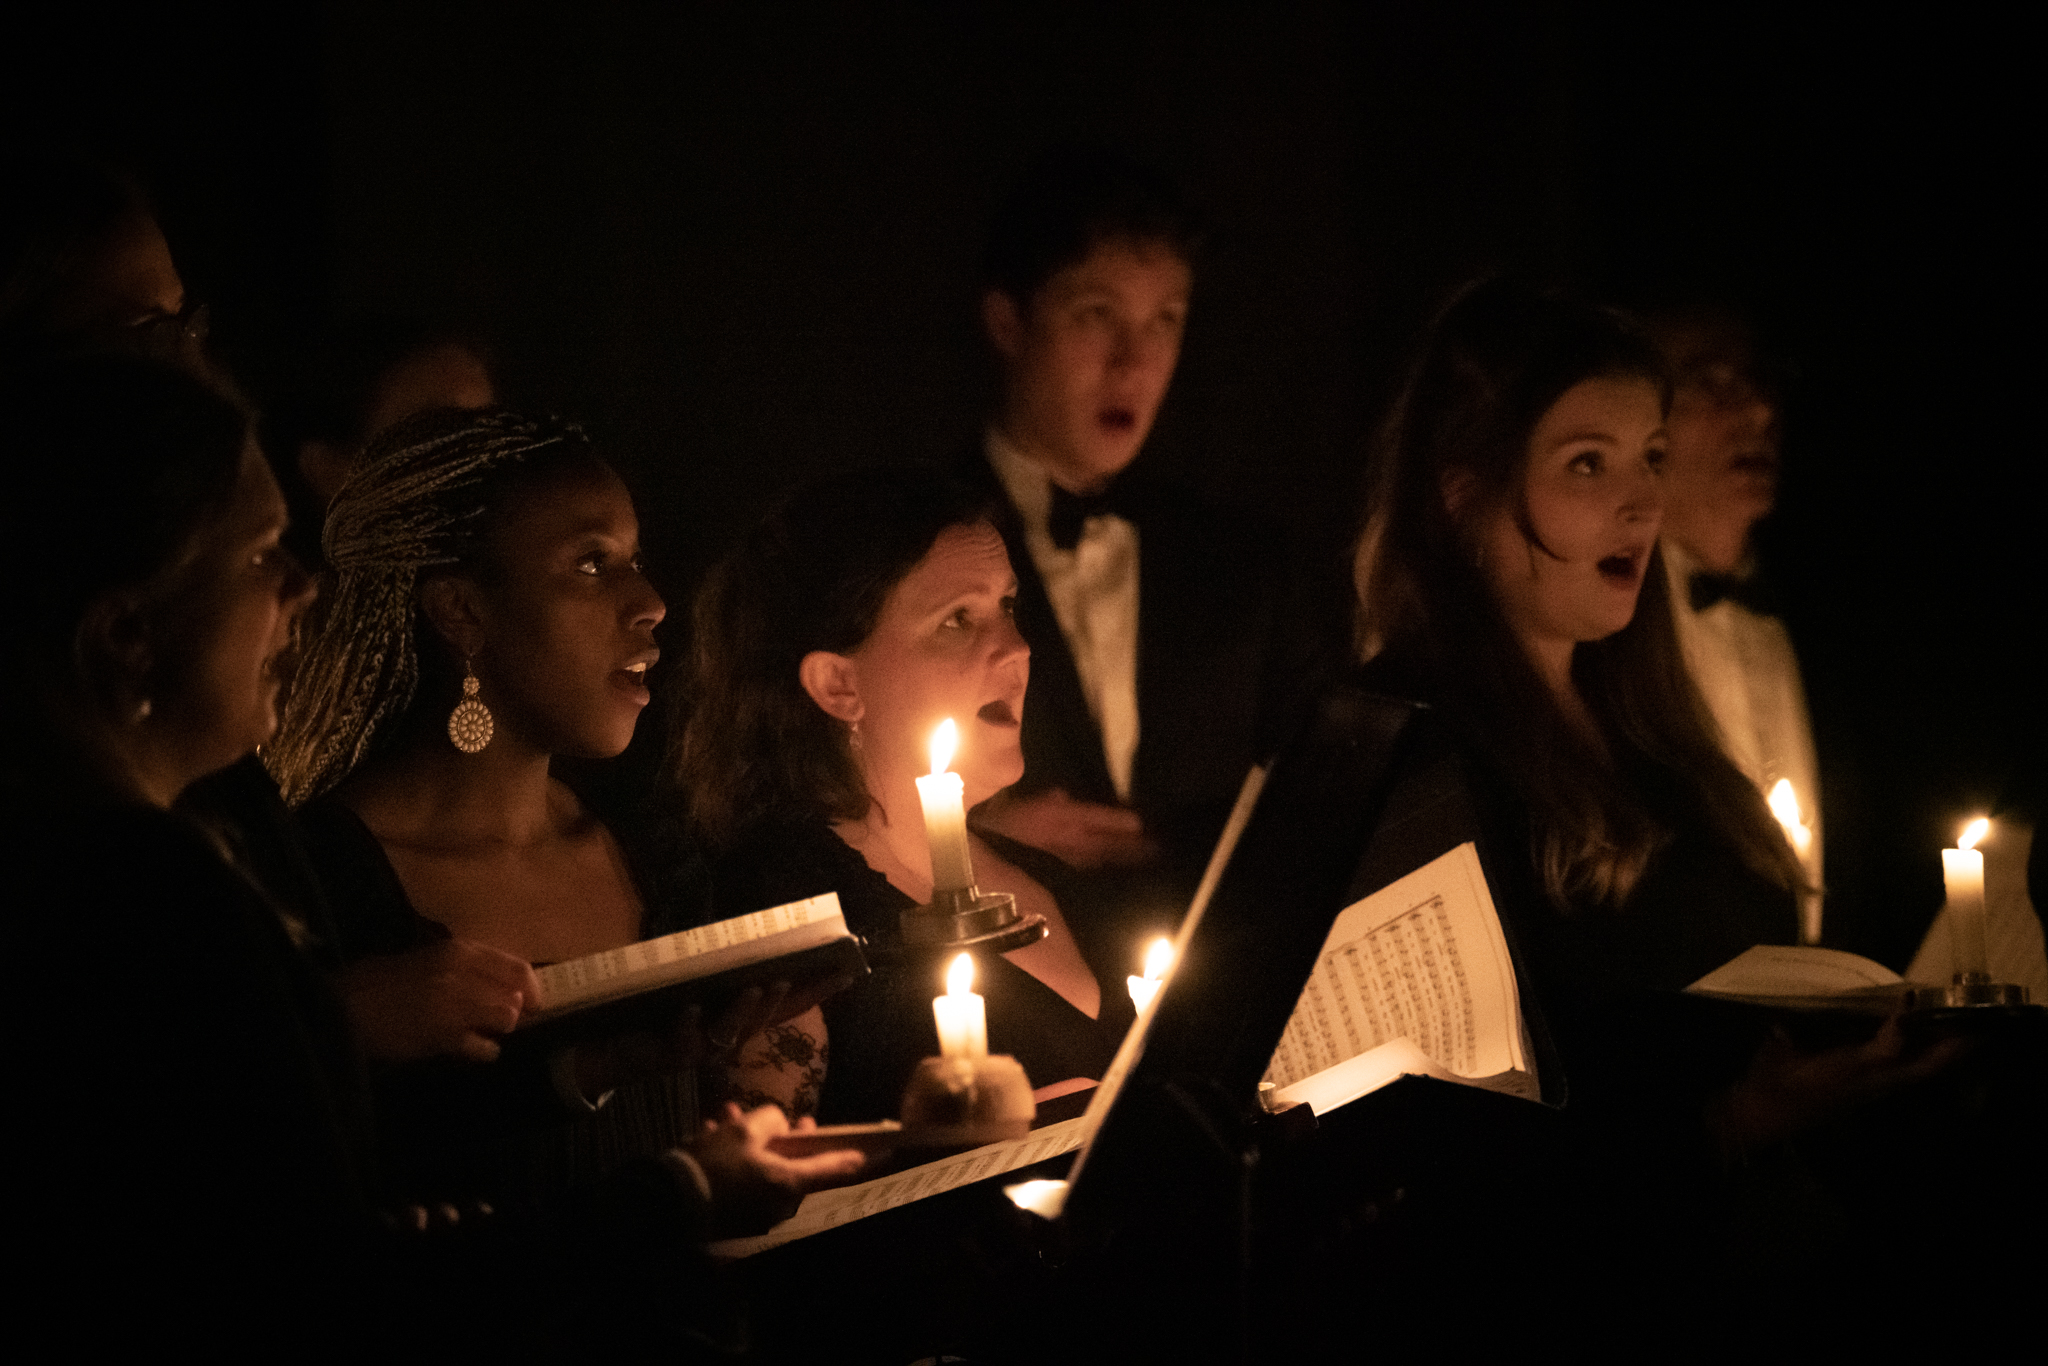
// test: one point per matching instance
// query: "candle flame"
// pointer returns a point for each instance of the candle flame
(1158, 959)
(1044, 1198)
(1974, 832)
(1784, 803)
(945, 740)
(960, 977)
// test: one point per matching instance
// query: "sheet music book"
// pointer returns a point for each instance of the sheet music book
(1415, 979)
(803, 943)
(1801, 977)
(828, 1209)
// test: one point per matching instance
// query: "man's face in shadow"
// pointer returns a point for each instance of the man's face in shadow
(1088, 360)
(1721, 472)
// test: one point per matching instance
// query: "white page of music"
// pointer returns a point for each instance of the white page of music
(831, 1208)
(1423, 960)
(564, 980)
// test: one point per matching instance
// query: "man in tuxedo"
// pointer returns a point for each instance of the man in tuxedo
(1153, 615)
(1720, 481)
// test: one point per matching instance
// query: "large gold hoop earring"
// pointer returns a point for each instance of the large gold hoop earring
(470, 724)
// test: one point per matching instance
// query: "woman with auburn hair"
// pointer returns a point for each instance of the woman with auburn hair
(1509, 574)
(1509, 538)
(827, 647)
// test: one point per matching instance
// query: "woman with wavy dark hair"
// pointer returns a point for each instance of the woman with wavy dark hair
(1510, 557)
(1509, 574)
(827, 646)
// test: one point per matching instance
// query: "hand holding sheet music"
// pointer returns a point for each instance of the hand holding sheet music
(650, 984)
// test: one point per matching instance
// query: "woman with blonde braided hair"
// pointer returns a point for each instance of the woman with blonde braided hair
(414, 515)
(484, 612)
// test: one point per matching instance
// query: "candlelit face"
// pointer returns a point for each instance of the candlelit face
(946, 645)
(1593, 495)
(561, 619)
(1088, 358)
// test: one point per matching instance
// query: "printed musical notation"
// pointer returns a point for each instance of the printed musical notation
(1403, 978)
(566, 981)
(828, 1209)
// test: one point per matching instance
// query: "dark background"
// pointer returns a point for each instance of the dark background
(739, 243)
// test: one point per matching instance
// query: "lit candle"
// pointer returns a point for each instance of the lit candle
(1785, 806)
(962, 1015)
(1158, 959)
(1962, 870)
(945, 816)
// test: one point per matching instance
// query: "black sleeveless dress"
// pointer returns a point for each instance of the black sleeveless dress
(498, 1132)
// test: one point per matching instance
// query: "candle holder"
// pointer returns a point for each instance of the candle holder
(1969, 991)
(963, 1102)
(960, 918)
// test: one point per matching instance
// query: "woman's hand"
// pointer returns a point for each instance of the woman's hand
(753, 1187)
(1786, 1091)
(454, 998)
(1080, 834)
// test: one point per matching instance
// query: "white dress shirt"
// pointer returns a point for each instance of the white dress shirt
(1744, 667)
(1094, 593)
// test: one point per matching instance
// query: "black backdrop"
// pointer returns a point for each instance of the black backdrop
(738, 241)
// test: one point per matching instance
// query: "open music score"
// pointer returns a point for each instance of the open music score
(1416, 978)
(828, 1209)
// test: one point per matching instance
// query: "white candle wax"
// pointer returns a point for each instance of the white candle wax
(945, 815)
(1962, 871)
(962, 1015)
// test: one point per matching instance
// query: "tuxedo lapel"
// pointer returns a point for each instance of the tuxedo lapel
(1062, 745)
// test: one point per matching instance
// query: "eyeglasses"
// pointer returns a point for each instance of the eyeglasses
(169, 331)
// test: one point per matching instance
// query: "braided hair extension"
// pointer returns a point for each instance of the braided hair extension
(416, 503)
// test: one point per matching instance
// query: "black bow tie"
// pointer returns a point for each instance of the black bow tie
(1704, 589)
(1070, 510)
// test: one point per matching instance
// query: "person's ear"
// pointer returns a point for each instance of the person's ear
(453, 607)
(1458, 487)
(113, 653)
(1003, 320)
(833, 682)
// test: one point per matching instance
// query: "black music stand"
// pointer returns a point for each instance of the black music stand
(1159, 1200)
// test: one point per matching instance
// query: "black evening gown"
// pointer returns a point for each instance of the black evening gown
(202, 1163)
(499, 1132)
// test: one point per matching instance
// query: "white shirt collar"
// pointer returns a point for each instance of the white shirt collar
(1024, 479)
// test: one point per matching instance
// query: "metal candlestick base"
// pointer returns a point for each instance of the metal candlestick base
(969, 918)
(1969, 990)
